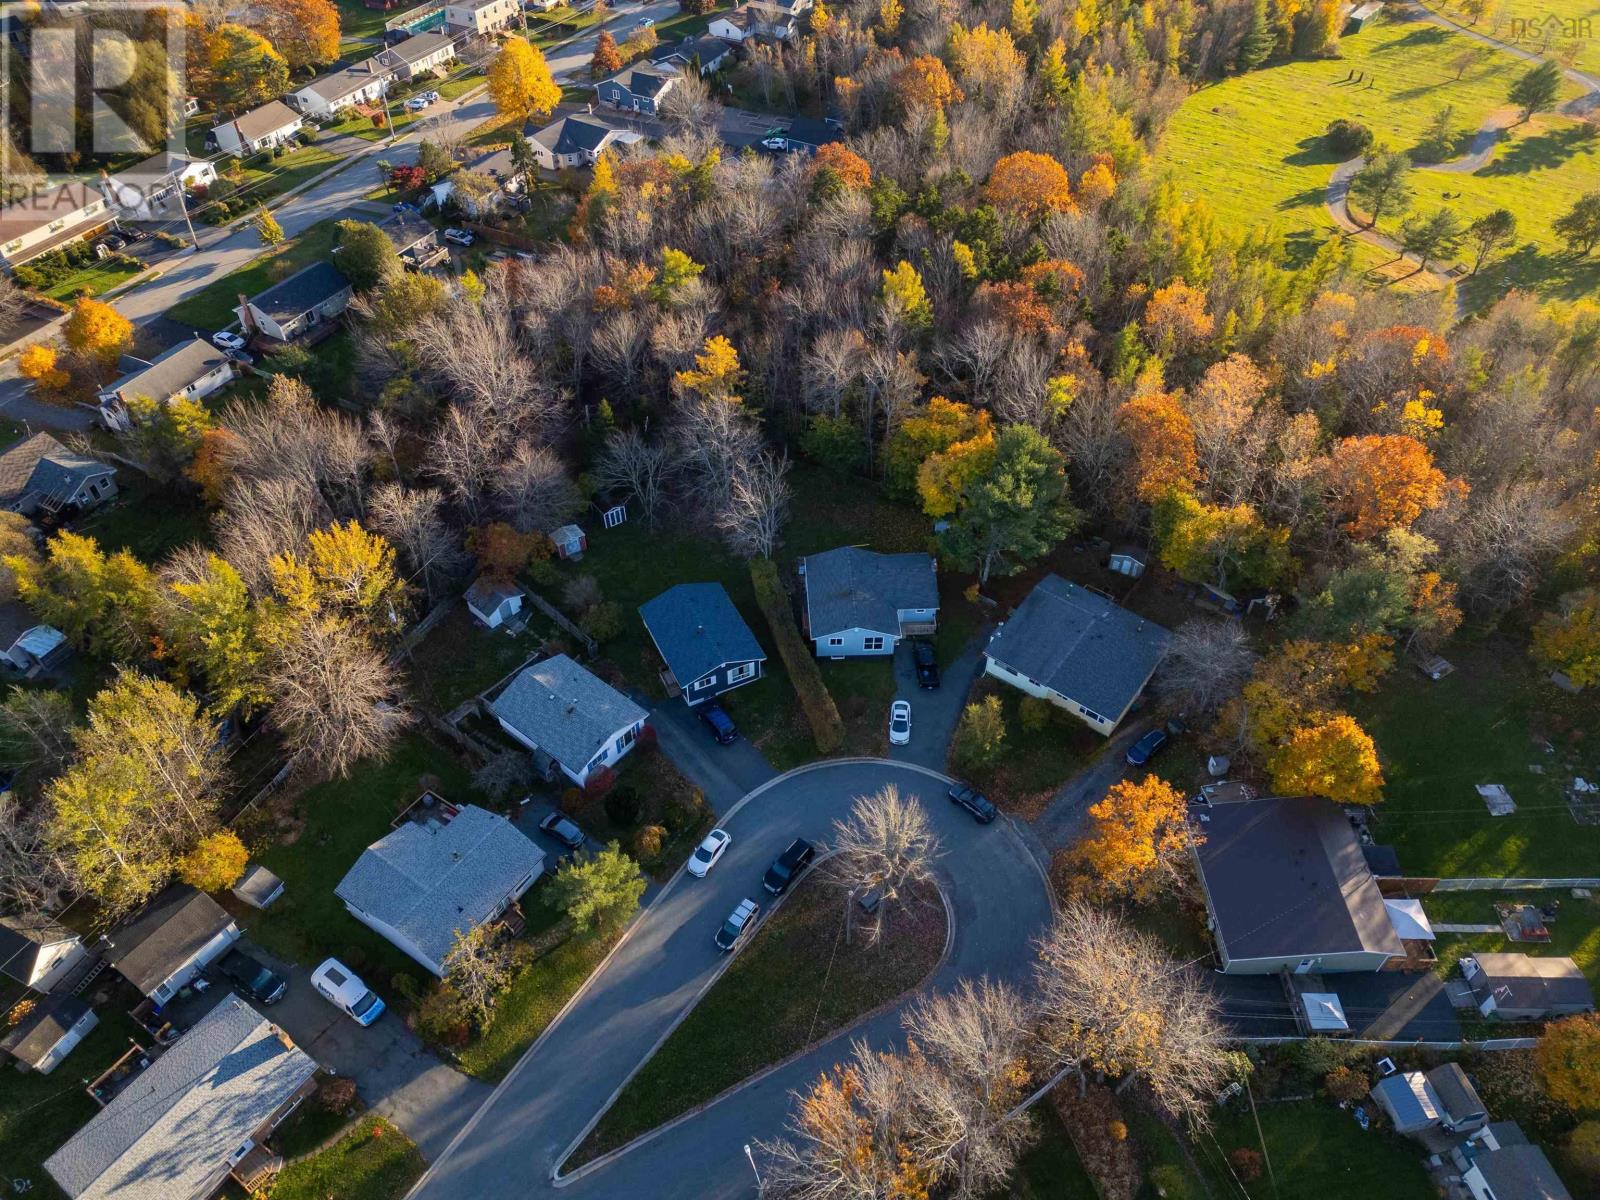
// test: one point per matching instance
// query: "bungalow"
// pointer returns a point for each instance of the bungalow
(199, 1113)
(1078, 650)
(703, 640)
(806, 135)
(1506, 1166)
(481, 17)
(154, 188)
(577, 141)
(754, 22)
(191, 370)
(1288, 889)
(37, 952)
(640, 88)
(571, 721)
(494, 601)
(703, 55)
(48, 216)
(859, 602)
(419, 55)
(1440, 1108)
(273, 124)
(170, 941)
(1517, 987)
(301, 302)
(416, 241)
(364, 82)
(41, 475)
(25, 641)
(442, 874)
(47, 1031)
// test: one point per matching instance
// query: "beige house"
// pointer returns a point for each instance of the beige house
(418, 55)
(50, 215)
(481, 17)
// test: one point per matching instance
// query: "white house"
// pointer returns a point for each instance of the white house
(191, 370)
(572, 721)
(861, 603)
(170, 941)
(418, 55)
(37, 952)
(494, 601)
(26, 641)
(154, 188)
(273, 124)
(481, 17)
(49, 215)
(762, 22)
(47, 1032)
(577, 141)
(364, 82)
(310, 297)
(447, 872)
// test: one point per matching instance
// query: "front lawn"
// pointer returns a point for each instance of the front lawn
(802, 979)
(375, 1161)
(1574, 934)
(212, 307)
(1318, 1151)
(1034, 763)
(1050, 1169)
(95, 279)
(266, 176)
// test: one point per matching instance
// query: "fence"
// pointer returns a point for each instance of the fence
(1395, 885)
(421, 629)
(561, 619)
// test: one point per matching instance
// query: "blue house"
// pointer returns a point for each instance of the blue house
(861, 603)
(703, 640)
(639, 88)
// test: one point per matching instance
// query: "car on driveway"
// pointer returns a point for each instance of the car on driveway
(417, 103)
(777, 144)
(253, 979)
(1147, 747)
(430, 97)
(461, 237)
(900, 723)
(644, 22)
(719, 722)
(225, 339)
(564, 831)
(708, 852)
(927, 665)
(402, 208)
(738, 925)
(787, 865)
(975, 802)
(342, 988)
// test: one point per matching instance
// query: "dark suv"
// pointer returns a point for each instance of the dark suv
(253, 979)
(975, 802)
(787, 865)
(720, 723)
(927, 665)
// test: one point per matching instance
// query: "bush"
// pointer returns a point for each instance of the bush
(571, 800)
(624, 806)
(600, 784)
(684, 812)
(306, 136)
(581, 593)
(1316, 1058)
(406, 987)
(337, 1094)
(441, 1019)
(822, 714)
(1346, 1085)
(1348, 138)
(1033, 714)
(604, 621)
(1246, 1163)
(980, 734)
(647, 843)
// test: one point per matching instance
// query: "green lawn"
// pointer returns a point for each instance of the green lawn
(1563, 29)
(802, 979)
(308, 1127)
(1575, 933)
(146, 518)
(356, 20)
(212, 307)
(1050, 1170)
(1035, 762)
(266, 177)
(1317, 1152)
(459, 657)
(1489, 722)
(375, 1161)
(93, 280)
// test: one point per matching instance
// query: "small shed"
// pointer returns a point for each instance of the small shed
(570, 542)
(1361, 15)
(494, 601)
(45, 1029)
(1323, 1013)
(259, 887)
(1128, 560)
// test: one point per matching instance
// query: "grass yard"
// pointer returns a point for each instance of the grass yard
(460, 658)
(375, 1161)
(805, 983)
(147, 519)
(1050, 1170)
(1562, 29)
(1034, 763)
(356, 20)
(1489, 722)
(266, 177)
(1575, 934)
(309, 1127)
(96, 279)
(212, 307)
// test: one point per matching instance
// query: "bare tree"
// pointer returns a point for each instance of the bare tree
(291, 436)
(885, 846)
(831, 369)
(463, 453)
(334, 697)
(756, 505)
(264, 518)
(36, 730)
(691, 106)
(474, 350)
(644, 470)
(1207, 663)
(478, 967)
(534, 491)
(33, 876)
(621, 344)
(714, 439)
(414, 521)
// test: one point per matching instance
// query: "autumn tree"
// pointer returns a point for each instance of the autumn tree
(1163, 444)
(926, 82)
(305, 32)
(1334, 758)
(97, 331)
(214, 633)
(1568, 1060)
(1138, 839)
(1226, 547)
(413, 520)
(928, 431)
(520, 83)
(904, 299)
(1016, 511)
(1383, 481)
(347, 572)
(335, 697)
(41, 363)
(836, 167)
(598, 891)
(885, 847)
(1176, 319)
(1031, 185)
(478, 968)
(244, 69)
(102, 602)
(943, 478)
(1568, 640)
(216, 862)
(980, 734)
(606, 60)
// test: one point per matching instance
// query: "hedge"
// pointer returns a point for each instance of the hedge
(821, 713)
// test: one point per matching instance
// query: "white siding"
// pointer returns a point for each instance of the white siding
(68, 1040)
(208, 953)
(857, 643)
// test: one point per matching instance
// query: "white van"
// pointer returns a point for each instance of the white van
(343, 988)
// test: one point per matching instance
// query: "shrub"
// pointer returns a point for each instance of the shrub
(1346, 1085)
(684, 812)
(504, 776)
(581, 593)
(1246, 1163)
(406, 987)
(1348, 138)
(306, 136)
(822, 714)
(980, 734)
(337, 1094)
(441, 1019)
(647, 843)
(1316, 1058)
(624, 806)
(600, 784)
(604, 621)
(571, 800)
(1033, 714)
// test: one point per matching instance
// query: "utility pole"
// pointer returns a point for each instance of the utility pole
(750, 1154)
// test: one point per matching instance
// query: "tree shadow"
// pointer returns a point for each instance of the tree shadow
(1541, 151)
(1313, 151)
(1304, 198)
(1423, 35)
(1552, 273)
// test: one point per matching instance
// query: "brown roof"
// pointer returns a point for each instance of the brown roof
(273, 115)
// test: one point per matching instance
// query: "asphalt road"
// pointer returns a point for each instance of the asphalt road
(513, 1144)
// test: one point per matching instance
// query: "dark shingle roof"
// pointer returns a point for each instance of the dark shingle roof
(697, 629)
(301, 292)
(564, 710)
(1081, 645)
(43, 467)
(51, 1017)
(1521, 1172)
(172, 370)
(1286, 878)
(645, 80)
(571, 135)
(1455, 1091)
(808, 131)
(22, 937)
(416, 48)
(16, 618)
(164, 935)
(1532, 982)
(487, 593)
(852, 588)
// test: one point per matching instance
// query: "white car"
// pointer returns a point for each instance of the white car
(705, 857)
(417, 103)
(430, 97)
(899, 722)
(342, 988)
(645, 22)
(461, 237)
(224, 340)
(776, 144)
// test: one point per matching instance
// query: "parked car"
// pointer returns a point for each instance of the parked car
(975, 802)
(417, 103)
(739, 923)
(706, 854)
(461, 237)
(342, 988)
(431, 97)
(927, 666)
(253, 979)
(900, 723)
(719, 722)
(1147, 747)
(777, 144)
(787, 865)
(225, 339)
(563, 830)
(644, 22)
(403, 208)
(112, 242)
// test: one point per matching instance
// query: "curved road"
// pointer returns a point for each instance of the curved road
(513, 1144)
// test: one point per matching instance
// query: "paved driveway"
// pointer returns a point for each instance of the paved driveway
(935, 711)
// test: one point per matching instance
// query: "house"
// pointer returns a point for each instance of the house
(571, 721)
(25, 641)
(273, 124)
(1078, 650)
(1288, 889)
(191, 370)
(703, 54)
(37, 952)
(859, 602)
(41, 475)
(416, 241)
(806, 135)
(154, 188)
(1515, 987)
(47, 1032)
(1439, 1107)
(570, 541)
(364, 82)
(494, 601)
(443, 874)
(481, 17)
(1504, 1165)
(309, 297)
(170, 941)
(703, 640)
(754, 22)
(50, 215)
(258, 887)
(577, 141)
(420, 54)
(638, 88)
(200, 1112)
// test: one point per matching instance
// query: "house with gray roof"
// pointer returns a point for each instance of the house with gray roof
(27, 642)
(703, 640)
(46, 1033)
(570, 720)
(446, 872)
(1504, 1165)
(638, 88)
(1439, 1107)
(37, 951)
(861, 603)
(41, 476)
(1078, 650)
(364, 82)
(1288, 889)
(703, 54)
(273, 124)
(577, 141)
(169, 941)
(754, 22)
(200, 1112)
(1522, 987)
(419, 54)
(310, 297)
(191, 370)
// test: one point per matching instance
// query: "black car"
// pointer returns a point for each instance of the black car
(975, 802)
(787, 865)
(563, 830)
(1147, 747)
(252, 978)
(719, 722)
(927, 665)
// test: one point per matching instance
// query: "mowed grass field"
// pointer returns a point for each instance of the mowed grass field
(1253, 148)
(1564, 29)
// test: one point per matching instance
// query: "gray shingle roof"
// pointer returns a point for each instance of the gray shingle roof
(575, 134)
(269, 118)
(1455, 1091)
(1409, 1100)
(172, 370)
(487, 593)
(346, 81)
(43, 467)
(51, 1017)
(697, 629)
(22, 936)
(16, 618)
(164, 935)
(1085, 647)
(169, 1135)
(565, 711)
(301, 292)
(1532, 982)
(416, 48)
(1521, 1173)
(427, 880)
(1286, 878)
(644, 80)
(852, 588)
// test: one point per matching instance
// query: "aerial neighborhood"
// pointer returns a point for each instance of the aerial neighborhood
(802, 599)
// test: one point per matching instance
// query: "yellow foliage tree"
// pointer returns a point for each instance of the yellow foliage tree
(1335, 758)
(216, 862)
(1030, 184)
(903, 294)
(1568, 1058)
(987, 60)
(520, 83)
(927, 81)
(943, 477)
(97, 331)
(1569, 640)
(1138, 837)
(889, 14)
(716, 373)
(1176, 319)
(41, 364)
(346, 571)
(940, 424)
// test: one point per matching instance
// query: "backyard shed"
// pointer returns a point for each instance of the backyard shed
(570, 542)
(259, 887)
(494, 601)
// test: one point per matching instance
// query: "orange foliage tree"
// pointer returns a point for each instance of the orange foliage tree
(305, 32)
(1176, 319)
(607, 59)
(843, 164)
(1334, 758)
(927, 82)
(1163, 445)
(97, 331)
(1138, 837)
(1030, 184)
(1384, 481)
(1568, 1058)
